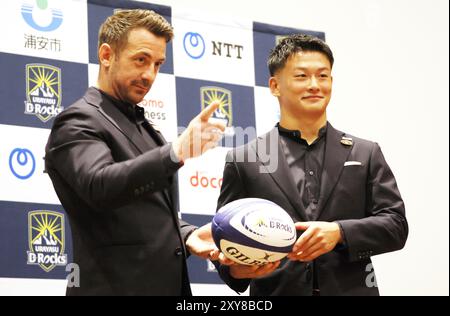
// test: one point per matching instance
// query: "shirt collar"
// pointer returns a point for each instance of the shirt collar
(134, 113)
(297, 135)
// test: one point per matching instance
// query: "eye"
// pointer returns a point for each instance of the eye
(141, 60)
(300, 76)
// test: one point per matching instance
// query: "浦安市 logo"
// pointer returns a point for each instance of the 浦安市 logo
(48, 19)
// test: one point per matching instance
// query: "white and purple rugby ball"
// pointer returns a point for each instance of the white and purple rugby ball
(253, 231)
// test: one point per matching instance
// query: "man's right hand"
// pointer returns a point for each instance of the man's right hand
(200, 135)
(239, 271)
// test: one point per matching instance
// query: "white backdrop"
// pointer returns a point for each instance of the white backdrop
(390, 86)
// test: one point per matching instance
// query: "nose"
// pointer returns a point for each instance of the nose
(150, 74)
(313, 85)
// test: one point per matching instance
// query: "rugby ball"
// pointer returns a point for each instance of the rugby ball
(253, 231)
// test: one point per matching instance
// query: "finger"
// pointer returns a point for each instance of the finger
(208, 111)
(302, 240)
(308, 252)
(313, 256)
(214, 255)
(217, 126)
(224, 260)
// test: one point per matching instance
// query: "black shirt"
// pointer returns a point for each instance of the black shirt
(306, 163)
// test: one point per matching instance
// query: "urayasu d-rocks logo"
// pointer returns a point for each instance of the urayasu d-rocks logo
(224, 113)
(46, 239)
(43, 91)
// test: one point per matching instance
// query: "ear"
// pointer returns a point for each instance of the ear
(105, 55)
(274, 87)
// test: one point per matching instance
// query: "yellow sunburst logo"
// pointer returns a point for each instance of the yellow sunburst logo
(43, 91)
(46, 237)
(224, 97)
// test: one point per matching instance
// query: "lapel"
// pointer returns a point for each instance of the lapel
(336, 155)
(116, 118)
(278, 170)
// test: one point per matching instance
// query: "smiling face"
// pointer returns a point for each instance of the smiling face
(303, 86)
(130, 74)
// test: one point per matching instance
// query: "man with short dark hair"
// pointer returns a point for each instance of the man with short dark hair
(337, 187)
(115, 174)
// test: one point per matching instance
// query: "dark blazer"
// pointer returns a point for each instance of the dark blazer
(362, 198)
(120, 196)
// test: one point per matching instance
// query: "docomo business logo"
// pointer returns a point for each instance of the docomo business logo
(204, 182)
(154, 109)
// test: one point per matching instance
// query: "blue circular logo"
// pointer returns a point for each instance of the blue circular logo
(56, 16)
(22, 163)
(194, 45)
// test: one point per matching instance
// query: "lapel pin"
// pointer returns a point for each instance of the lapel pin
(347, 141)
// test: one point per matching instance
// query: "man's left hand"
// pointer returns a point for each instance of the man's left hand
(318, 238)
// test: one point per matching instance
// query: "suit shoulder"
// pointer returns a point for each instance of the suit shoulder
(241, 151)
(79, 120)
(359, 142)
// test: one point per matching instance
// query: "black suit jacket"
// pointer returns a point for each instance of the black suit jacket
(120, 196)
(363, 198)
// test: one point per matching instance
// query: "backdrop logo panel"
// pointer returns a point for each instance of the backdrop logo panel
(22, 176)
(46, 237)
(237, 107)
(22, 163)
(40, 9)
(44, 28)
(211, 51)
(34, 90)
(35, 241)
(160, 106)
(44, 92)
(200, 181)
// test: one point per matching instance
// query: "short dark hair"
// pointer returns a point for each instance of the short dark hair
(114, 31)
(293, 44)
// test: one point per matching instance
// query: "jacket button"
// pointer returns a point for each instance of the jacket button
(178, 252)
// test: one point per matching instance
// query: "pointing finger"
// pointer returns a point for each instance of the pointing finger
(208, 111)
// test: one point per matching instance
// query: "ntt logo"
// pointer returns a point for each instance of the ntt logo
(194, 45)
(22, 163)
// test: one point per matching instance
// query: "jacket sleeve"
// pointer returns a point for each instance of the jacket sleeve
(232, 189)
(384, 228)
(78, 153)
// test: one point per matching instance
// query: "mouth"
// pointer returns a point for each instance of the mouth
(313, 97)
(142, 87)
